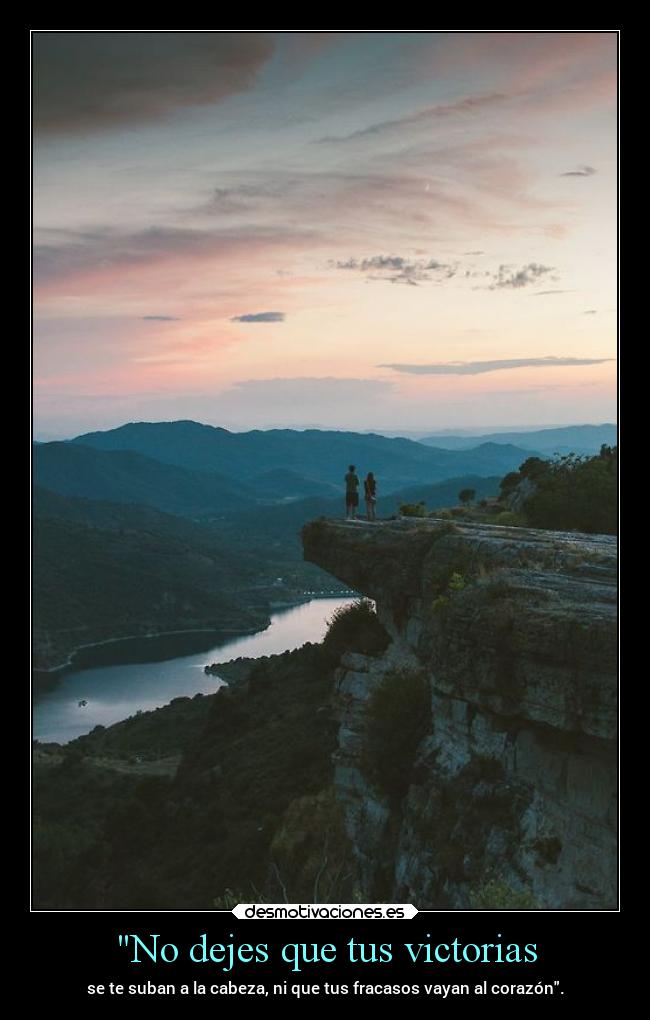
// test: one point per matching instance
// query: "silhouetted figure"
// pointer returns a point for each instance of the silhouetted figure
(351, 493)
(370, 490)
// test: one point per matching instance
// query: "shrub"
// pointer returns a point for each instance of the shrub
(577, 494)
(355, 628)
(534, 468)
(570, 492)
(508, 484)
(455, 582)
(467, 496)
(498, 895)
(443, 515)
(413, 510)
(399, 714)
(508, 518)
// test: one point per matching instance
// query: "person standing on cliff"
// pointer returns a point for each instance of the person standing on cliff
(351, 493)
(370, 490)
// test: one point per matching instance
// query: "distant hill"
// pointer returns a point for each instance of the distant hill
(128, 477)
(103, 571)
(114, 516)
(282, 484)
(315, 454)
(570, 439)
(108, 569)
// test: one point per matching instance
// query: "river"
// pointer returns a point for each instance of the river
(115, 692)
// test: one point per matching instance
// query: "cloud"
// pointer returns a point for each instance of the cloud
(507, 277)
(259, 317)
(396, 268)
(104, 251)
(544, 293)
(94, 81)
(469, 104)
(529, 72)
(480, 367)
(582, 171)
(160, 318)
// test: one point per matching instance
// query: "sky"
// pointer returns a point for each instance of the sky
(375, 231)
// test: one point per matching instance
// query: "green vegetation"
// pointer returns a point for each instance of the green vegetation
(150, 572)
(467, 496)
(310, 853)
(413, 510)
(498, 895)
(454, 582)
(107, 835)
(240, 797)
(570, 493)
(510, 519)
(399, 713)
(509, 483)
(457, 582)
(105, 570)
(355, 628)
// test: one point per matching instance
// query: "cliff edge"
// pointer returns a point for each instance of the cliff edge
(511, 791)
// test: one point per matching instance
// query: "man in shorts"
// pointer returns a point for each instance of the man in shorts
(351, 493)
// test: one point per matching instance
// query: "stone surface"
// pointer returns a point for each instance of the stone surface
(515, 630)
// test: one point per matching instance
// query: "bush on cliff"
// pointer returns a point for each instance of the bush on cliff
(413, 510)
(578, 493)
(570, 493)
(510, 519)
(355, 628)
(498, 895)
(399, 713)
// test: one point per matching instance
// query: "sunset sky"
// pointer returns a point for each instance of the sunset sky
(350, 230)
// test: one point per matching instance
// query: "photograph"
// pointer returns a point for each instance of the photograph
(325, 472)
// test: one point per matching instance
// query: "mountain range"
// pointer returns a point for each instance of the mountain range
(197, 470)
(581, 439)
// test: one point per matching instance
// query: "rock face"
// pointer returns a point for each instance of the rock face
(513, 789)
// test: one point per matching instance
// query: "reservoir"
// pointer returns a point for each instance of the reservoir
(115, 692)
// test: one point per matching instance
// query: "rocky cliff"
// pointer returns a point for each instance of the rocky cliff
(511, 791)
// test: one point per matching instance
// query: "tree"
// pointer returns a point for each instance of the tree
(507, 484)
(466, 496)
(534, 468)
(577, 494)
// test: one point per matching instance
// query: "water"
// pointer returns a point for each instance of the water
(116, 692)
